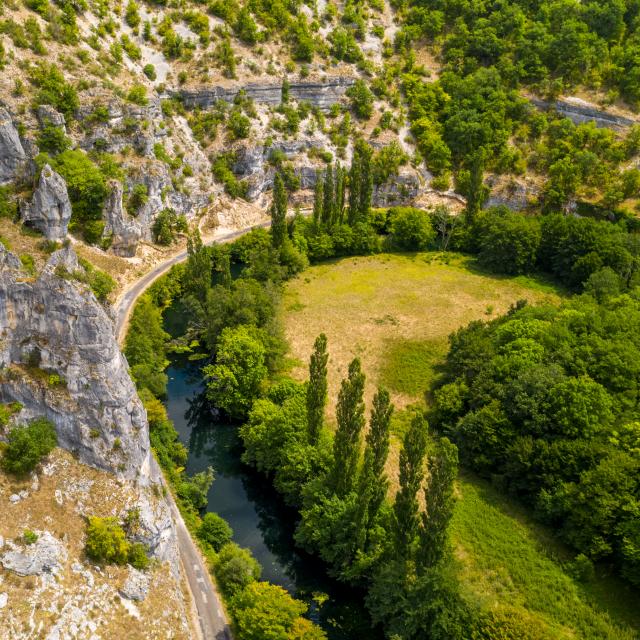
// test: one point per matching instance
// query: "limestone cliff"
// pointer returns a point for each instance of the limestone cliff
(60, 359)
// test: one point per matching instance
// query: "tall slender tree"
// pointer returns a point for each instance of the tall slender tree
(477, 190)
(406, 508)
(366, 182)
(199, 267)
(317, 388)
(338, 209)
(373, 482)
(279, 212)
(318, 200)
(224, 268)
(350, 418)
(329, 195)
(354, 187)
(439, 501)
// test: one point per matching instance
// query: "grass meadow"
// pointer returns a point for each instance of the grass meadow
(395, 312)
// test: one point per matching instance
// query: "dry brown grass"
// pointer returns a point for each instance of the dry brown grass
(395, 313)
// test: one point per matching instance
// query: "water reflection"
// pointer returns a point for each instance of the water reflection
(260, 520)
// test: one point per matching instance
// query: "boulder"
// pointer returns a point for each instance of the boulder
(136, 586)
(12, 154)
(124, 231)
(50, 209)
(48, 115)
(43, 556)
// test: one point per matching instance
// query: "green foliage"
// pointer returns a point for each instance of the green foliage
(235, 569)
(138, 95)
(29, 537)
(106, 541)
(149, 70)
(7, 411)
(235, 379)
(53, 89)
(215, 531)
(262, 611)
(52, 139)
(86, 186)
(317, 388)
(279, 212)
(361, 99)
(222, 171)
(539, 393)
(350, 418)
(137, 556)
(508, 242)
(145, 347)
(193, 490)
(387, 161)
(410, 228)
(167, 225)
(8, 205)
(28, 445)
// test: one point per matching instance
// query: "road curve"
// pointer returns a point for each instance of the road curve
(125, 304)
(211, 615)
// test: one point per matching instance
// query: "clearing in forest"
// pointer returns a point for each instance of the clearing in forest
(395, 312)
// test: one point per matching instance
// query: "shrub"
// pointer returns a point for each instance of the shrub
(52, 139)
(106, 541)
(53, 89)
(137, 556)
(29, 537)
(236, 568)
(361, 99)
(27, 445)
(167, 225)
(150, 71)
(138, 95)
(215, 531)
(411, 228)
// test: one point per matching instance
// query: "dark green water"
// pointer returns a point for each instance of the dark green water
(260, 520)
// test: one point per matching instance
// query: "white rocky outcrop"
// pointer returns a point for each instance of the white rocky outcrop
(12, 154)
(50, 209)
(55, 324)
(120, 227)
(136, 586)
(43, 556)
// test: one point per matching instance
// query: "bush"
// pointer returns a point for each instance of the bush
(137, 556)
(411, 228)
(29, 537)
(106, 541)
(138, 95)
(508, 241)
(53, 89)
(52, 139)
(167, 225)
(150, 71)
(235, 568)
(27, 445)
(215, 531)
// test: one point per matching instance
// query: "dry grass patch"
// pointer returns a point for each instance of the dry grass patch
(395, 313)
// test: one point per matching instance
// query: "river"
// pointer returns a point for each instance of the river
(260, 520)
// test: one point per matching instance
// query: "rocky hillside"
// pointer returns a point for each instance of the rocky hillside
(59, 360)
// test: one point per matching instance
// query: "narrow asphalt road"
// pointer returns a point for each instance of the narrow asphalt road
(211, 616)
(128, 299)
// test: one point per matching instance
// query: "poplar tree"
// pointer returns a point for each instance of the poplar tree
(318, 200)
(373, 483)
(406, 508)
(440, 501)
(279, 212)
(354, 188)
(477, 191)
(350, 418)
(225, 269)
(338, 209)
(366, 182)
(317, 388)
(327, 207)
(199, 267)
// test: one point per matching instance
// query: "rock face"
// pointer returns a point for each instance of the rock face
(122, 229)
(136, 586)
(43, 556)
(54, 325)
(48, 115)
(50, 209)
(320, 94)
(12, 155)
(580, 111)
